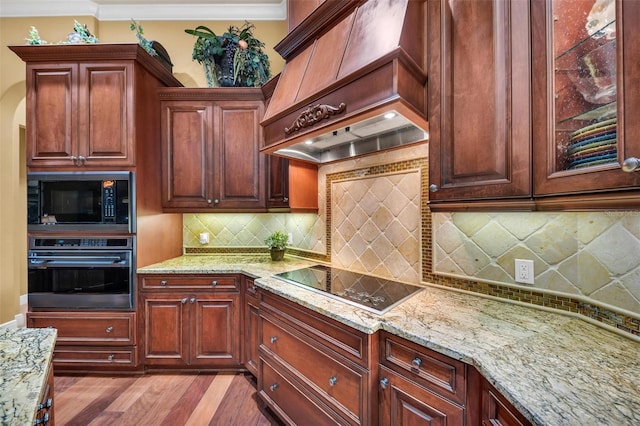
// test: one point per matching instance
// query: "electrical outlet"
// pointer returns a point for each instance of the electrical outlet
(290, 240)
(204, 238)
(524, 271)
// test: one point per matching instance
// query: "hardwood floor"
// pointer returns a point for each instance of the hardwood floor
(159, 399)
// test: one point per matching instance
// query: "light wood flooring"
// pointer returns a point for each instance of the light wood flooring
(159, 399)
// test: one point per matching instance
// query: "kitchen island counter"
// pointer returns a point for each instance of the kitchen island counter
(556, 369)
(25, 357)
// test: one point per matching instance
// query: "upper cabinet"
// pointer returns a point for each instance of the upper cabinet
(541, 120)
(210, 150)
(298, 10)
(585, 79)
(479, 101)
(80, 103)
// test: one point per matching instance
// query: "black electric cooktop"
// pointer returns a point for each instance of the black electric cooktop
(374, 294)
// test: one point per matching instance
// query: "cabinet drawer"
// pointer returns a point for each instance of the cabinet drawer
(195, 282)
(432, 370)
(345, 340)
(70, 356)
(250, 290)
(88, 328)
(340, 385)
(290, 402)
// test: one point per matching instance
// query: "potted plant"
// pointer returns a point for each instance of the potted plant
(277, 243)
(234, 58)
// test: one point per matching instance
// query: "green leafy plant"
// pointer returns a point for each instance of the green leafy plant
(34, 37)
(277, 241)
(142, 41)
(83, 33)
(238, 46)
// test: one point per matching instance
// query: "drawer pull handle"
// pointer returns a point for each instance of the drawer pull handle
(384, 383)
(333, 381)
(109, 329)
(273, 339)
(163, 283)
(45, 405)
(273, 387)
(253, 288)
(192, 300)
(416, 363)
(214, 283)
(111, 357)
(184, 300)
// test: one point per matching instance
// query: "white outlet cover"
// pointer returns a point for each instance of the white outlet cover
(524, 271)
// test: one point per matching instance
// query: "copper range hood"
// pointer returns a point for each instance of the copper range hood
(354, 82)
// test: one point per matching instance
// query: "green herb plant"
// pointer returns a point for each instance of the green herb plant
(277, 240)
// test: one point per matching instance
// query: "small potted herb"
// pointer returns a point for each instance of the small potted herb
(277, 243)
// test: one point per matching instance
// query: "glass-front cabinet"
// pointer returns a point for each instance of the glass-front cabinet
(586, 91)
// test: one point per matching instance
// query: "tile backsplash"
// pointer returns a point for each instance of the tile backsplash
(592, 256)
(373, 217)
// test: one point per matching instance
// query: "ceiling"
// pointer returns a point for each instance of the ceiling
(146, 10)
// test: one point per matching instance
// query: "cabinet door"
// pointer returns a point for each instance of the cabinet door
(278, 190)
(215, 330)
(51, 114)
(585, 79)
(105, 111)
(479, 100)
(239, 168)
(404, 403)
(187, 146)
(166, 327)
(251, 327)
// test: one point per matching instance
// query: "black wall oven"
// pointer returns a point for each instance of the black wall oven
(87, 272)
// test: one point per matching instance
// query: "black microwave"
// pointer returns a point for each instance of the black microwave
(81, 201)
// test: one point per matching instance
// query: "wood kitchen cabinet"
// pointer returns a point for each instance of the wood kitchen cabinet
(585, 74)
(293, 185)
(543, 119)
(91, 340)
(479, 102)
(497, 411)
(309, 363)
(210, 150)
(251, 325)
(190, 321)
(86, 104)
(419, 386)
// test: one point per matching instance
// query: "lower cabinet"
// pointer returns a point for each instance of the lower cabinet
(497, 411)
(90, 340)
(251, 318)
(311, 369)
(44, 413)
(190, 321)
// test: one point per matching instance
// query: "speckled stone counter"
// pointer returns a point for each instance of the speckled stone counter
(25, 355)
(556, 369)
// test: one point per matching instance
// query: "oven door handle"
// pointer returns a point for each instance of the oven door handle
(78, 260)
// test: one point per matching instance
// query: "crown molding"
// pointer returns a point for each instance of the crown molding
(230, 11)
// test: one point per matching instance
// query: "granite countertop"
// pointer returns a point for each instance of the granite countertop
(25, 355)
(556, 369)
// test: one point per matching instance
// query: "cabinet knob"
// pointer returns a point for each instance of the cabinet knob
(184, 300)
(111, 357)
(209, 201)
(416, 363)
(74, 159)
(285, 199)
(109, 329)
(631, 164)
(253, 288)
(384, 383)
(192, 300)
(216, 201)
(333, 381)
(81, 160)
(273, 339)
(163, 283)
(214, 283)
(433, 188)
(273, 387)
(45, 405)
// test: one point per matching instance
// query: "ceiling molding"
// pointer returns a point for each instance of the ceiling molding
(143, 11)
